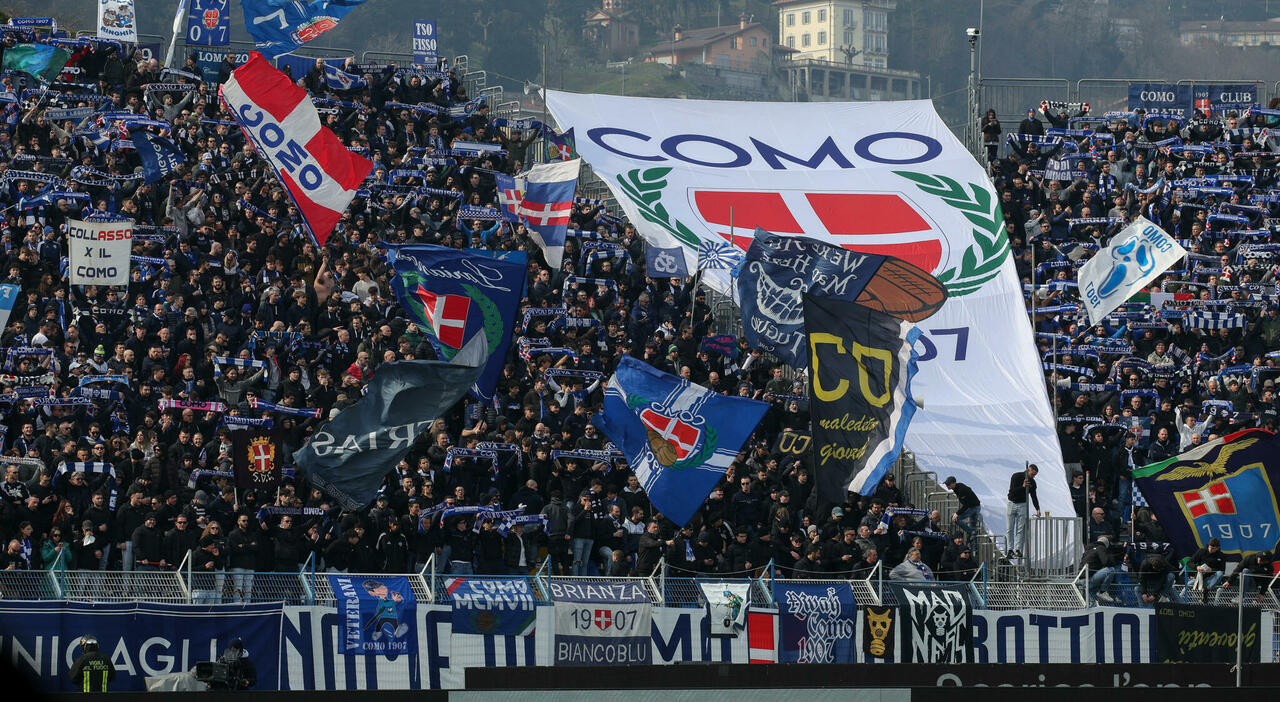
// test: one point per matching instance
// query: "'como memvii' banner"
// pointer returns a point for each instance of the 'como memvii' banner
(878, 177)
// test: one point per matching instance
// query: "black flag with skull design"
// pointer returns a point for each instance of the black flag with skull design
(936, 623)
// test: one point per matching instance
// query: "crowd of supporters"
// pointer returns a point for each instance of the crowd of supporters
(1193, 359)
(229, 264)
(230, 273)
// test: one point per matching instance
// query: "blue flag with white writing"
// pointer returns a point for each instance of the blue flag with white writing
(377, 614)
(455, 295)
(159, 156)
(281, 26)
(494, 606)
(338, 79)
(678, 437)
(209, 23)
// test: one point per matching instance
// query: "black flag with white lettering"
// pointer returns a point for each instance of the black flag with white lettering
(348, 456)
(860, 367)
(937, 622)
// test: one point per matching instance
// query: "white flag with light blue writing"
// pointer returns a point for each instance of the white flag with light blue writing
(1135, 257)
(8, 296)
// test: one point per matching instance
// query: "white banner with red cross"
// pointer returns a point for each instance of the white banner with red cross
(884, 178)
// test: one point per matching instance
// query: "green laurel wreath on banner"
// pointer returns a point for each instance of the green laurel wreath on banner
(643, 186)
(981, 261)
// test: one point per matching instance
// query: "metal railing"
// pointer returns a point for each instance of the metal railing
(1010, 97)
(990, 588)
(1124, 590)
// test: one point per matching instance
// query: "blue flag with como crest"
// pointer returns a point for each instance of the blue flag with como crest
(678, 437)
(453, 295)
(280, 26)
(1224, 489)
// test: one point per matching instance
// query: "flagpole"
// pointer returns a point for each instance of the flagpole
(173, 38)
(546, 146)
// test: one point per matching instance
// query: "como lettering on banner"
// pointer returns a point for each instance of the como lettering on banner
(318, 172)
(818, 623)
(883, 179)
(99, 251)
(502, 606)
(601, 624)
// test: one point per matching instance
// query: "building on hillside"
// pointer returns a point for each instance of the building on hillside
(1232, 33)
(612, 29)
(745, 46)
(841, 51)
(839, 31)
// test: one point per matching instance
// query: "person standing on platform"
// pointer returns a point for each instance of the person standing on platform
(1022, 486)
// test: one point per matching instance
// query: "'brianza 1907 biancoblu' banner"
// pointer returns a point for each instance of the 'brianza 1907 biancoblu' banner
(882, 178)
(600, 623)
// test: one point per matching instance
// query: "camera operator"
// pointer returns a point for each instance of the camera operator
(242, 674)
(93, 670)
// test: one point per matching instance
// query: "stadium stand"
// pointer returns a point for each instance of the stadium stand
(224, 271)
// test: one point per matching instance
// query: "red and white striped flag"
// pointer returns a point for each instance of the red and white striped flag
(319, 173)
(762, 637)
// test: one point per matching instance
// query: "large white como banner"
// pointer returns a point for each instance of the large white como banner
(878, 177)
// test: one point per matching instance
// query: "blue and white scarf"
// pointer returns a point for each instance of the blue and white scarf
(585, 376)
(95, 467)
(507, 524)
(474, 454)
(62, 402)
(260, 404)
(1216, 320)
(99, 394)
(219, 361)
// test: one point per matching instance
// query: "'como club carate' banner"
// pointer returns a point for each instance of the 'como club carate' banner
(879, 177)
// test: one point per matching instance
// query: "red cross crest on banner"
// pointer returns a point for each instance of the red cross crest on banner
(887, 224)
(447, 316)
(1213, 499)
(546, 214)
(1205, 106)
(603, 619)
(511, 199)
(262, 457)
(210, 18)
(682, 436)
